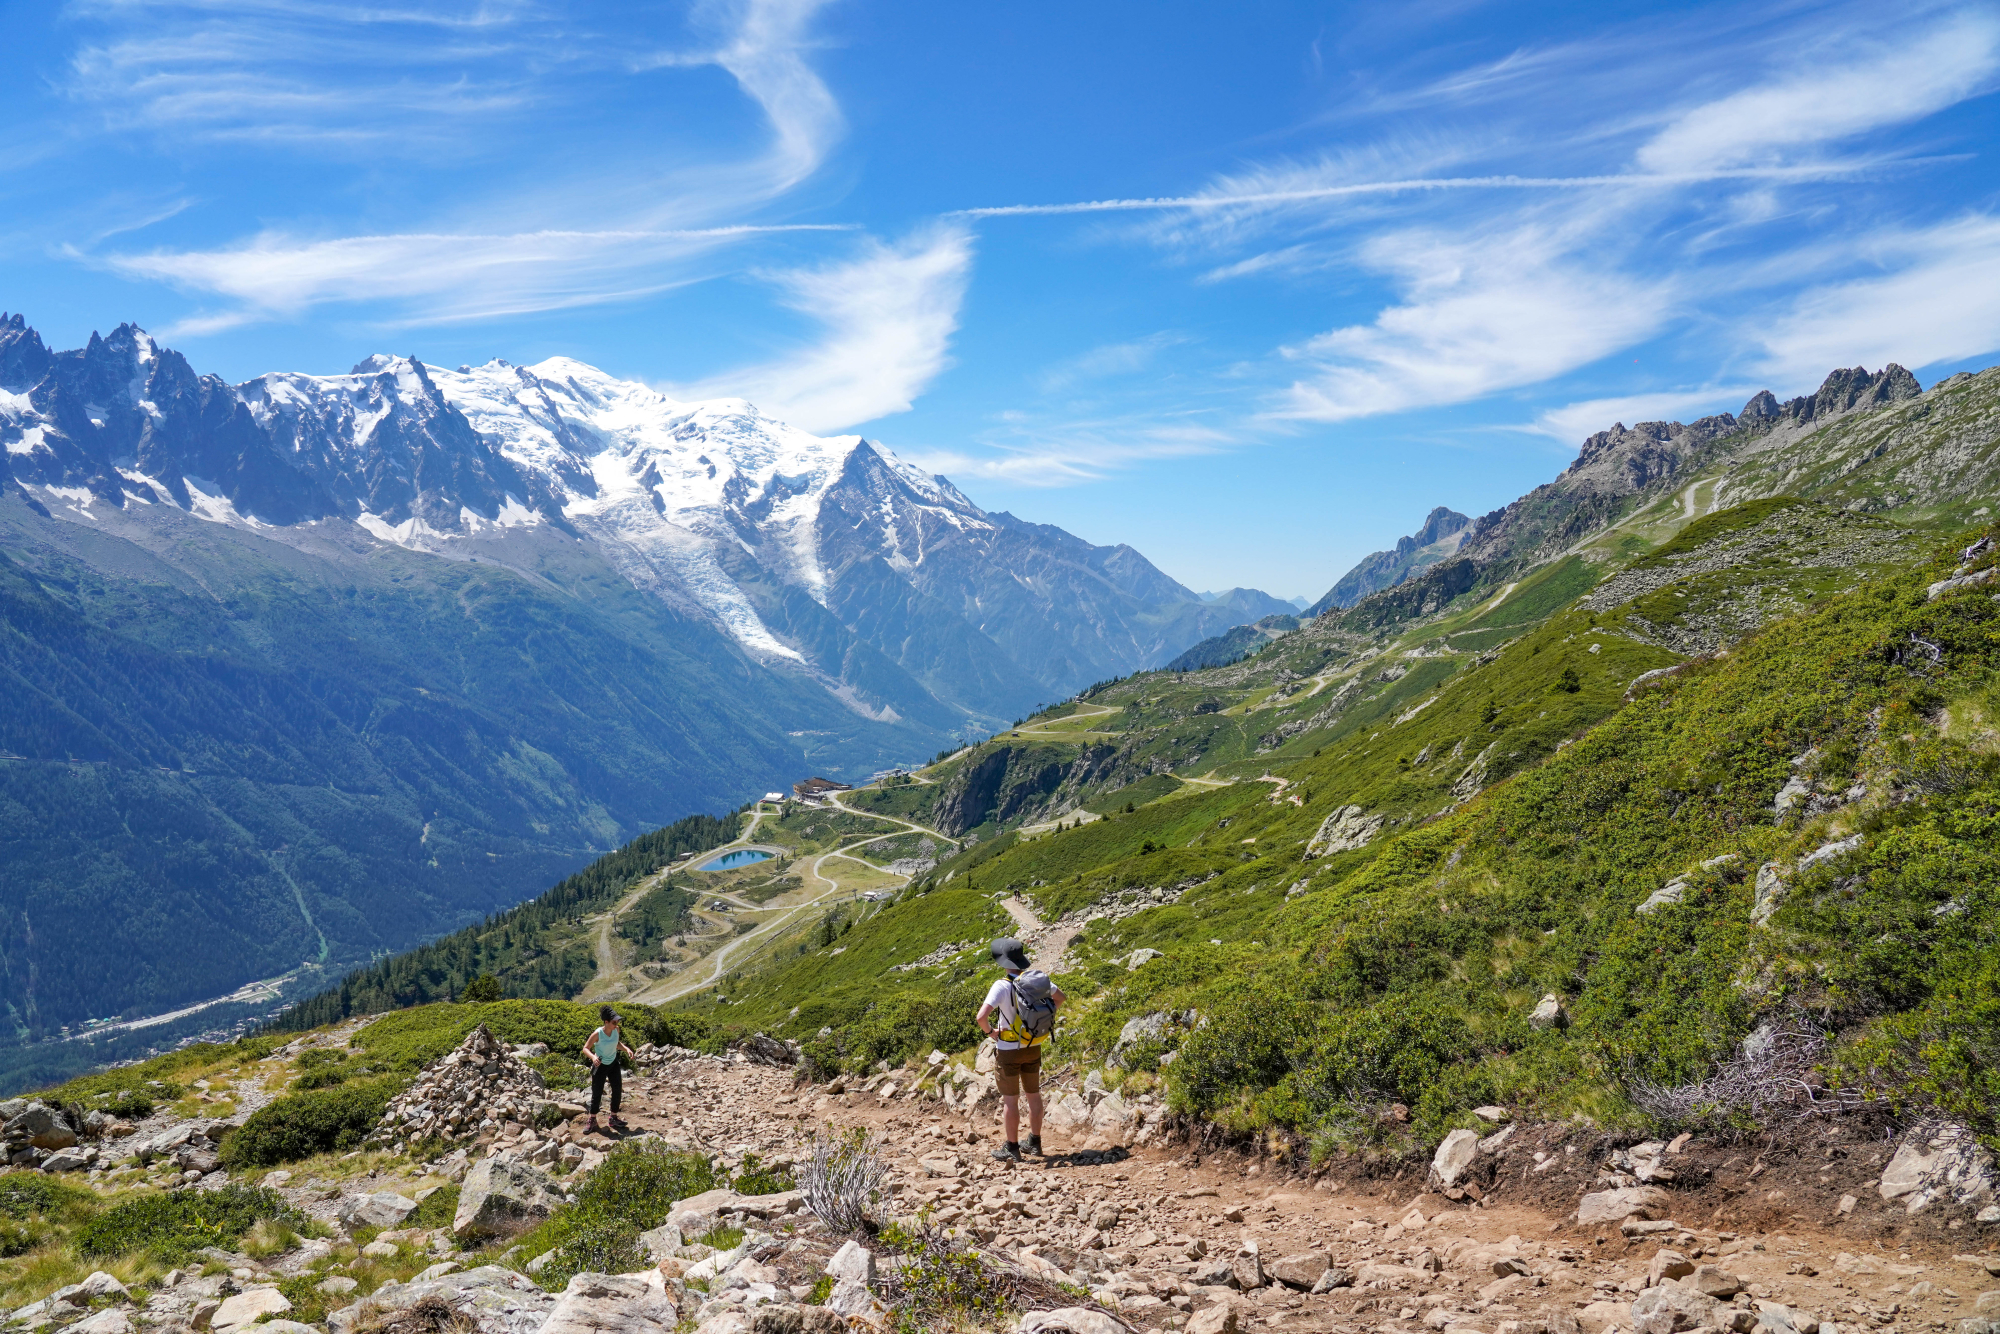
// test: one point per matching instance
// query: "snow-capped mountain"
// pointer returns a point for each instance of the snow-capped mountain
(828, 556)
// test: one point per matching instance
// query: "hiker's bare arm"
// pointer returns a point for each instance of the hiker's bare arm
(589, 1049)
(980, 1019)
(1061, 999)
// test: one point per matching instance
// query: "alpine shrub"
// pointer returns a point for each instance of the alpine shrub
(175, 1226)
(303, 1124)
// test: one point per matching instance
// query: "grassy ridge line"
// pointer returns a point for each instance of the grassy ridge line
(527, 947)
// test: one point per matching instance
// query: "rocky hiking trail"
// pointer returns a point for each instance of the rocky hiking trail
(1127, 1224)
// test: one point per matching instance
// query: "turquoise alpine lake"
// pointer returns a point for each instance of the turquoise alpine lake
(729, 861)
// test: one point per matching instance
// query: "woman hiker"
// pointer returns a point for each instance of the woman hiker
(1026, 1006)
(602, 1049)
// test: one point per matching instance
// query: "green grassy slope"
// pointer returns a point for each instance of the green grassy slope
(1540, 793)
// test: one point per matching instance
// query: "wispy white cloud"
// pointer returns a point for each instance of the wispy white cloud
(1065, 452)
(1479, 314)
(1933, 296)
(889, 315)
(1106, 360)
(327, 75)
(456, 276)
(1829, 100)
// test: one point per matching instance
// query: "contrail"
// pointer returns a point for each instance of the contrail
(1418, 183)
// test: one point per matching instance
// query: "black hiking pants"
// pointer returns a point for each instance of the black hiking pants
(600, 1075)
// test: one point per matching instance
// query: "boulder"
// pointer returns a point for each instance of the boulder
(1600, 1316)
(1666, 1264)
(1453, 1156)
(1713, 1281)
(612, 1304)
(1213, 1320)
(1083, 1320)
(1615, 1206)
(852, 1263)
(1347, 828)
(661, 1243)
(67, 1160)
(1335, 1277)
(1246, 1269)
(1070, 1111)
(857, 1302)
(775, 1205)
(1142, 1028)
(495, 1300)
(1670, 1307)
(384, 1208)
(101, 1284)
(1957, 1167)
(116, 1320)
(698, 1213)
(1548, 1012)
(43, 1127)
(1302, 1270)
(502, 1197)
(247, 1305)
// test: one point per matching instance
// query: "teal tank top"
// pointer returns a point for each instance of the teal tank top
(607, 1047)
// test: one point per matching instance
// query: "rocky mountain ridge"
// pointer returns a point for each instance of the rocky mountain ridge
(1622, 470)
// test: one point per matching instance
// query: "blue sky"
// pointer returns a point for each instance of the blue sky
(1251, 287)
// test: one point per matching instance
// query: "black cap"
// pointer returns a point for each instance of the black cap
(1011, 952)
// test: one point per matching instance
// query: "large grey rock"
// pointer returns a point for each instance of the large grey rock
(501, 1197)
(1302, 1270)
(1714, 1281)
(67, 1160)
(496, 1300)
(698, 1213)
(857, 1301)
(246, 1306)
(1670, 1307)
(1956, 1167)
(1615, 1206)
(662, 1242)
(1548, 1012)
(612, 1304)
(1140, 1028)
(1083, 1320)
(853, 1262)
(1453, 1156)
(43, 1127)
(384, 1208)
(1246, 1268)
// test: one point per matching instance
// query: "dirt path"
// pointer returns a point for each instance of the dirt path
(1416, 1261)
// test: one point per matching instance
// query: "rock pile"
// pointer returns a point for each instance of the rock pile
(479, 1088)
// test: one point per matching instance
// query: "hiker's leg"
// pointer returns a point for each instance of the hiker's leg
(617, 1088)
(1010, 1117)
(596, 1088)
(1031, 1086)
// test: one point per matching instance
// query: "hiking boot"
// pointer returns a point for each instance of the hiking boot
(1009, 1152)
(618, 1122)
(1033, 1146)
(591, 1128)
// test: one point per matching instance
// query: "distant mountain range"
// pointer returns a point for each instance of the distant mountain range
(1442, 532)
(310, 667)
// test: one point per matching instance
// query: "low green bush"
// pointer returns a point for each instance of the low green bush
(631, 1192)
(174, 1226)
(303, 1124)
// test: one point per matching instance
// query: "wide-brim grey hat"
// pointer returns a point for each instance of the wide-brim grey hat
(1011, 952)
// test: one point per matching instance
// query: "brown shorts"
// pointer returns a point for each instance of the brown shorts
(1018, 1071)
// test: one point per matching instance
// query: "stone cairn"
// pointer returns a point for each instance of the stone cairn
(474, 1090)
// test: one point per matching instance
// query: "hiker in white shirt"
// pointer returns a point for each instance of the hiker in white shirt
(1026, 1006)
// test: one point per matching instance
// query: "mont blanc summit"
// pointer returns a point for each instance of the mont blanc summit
(827, 555)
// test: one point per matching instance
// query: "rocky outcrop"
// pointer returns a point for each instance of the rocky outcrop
(1348, 827)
